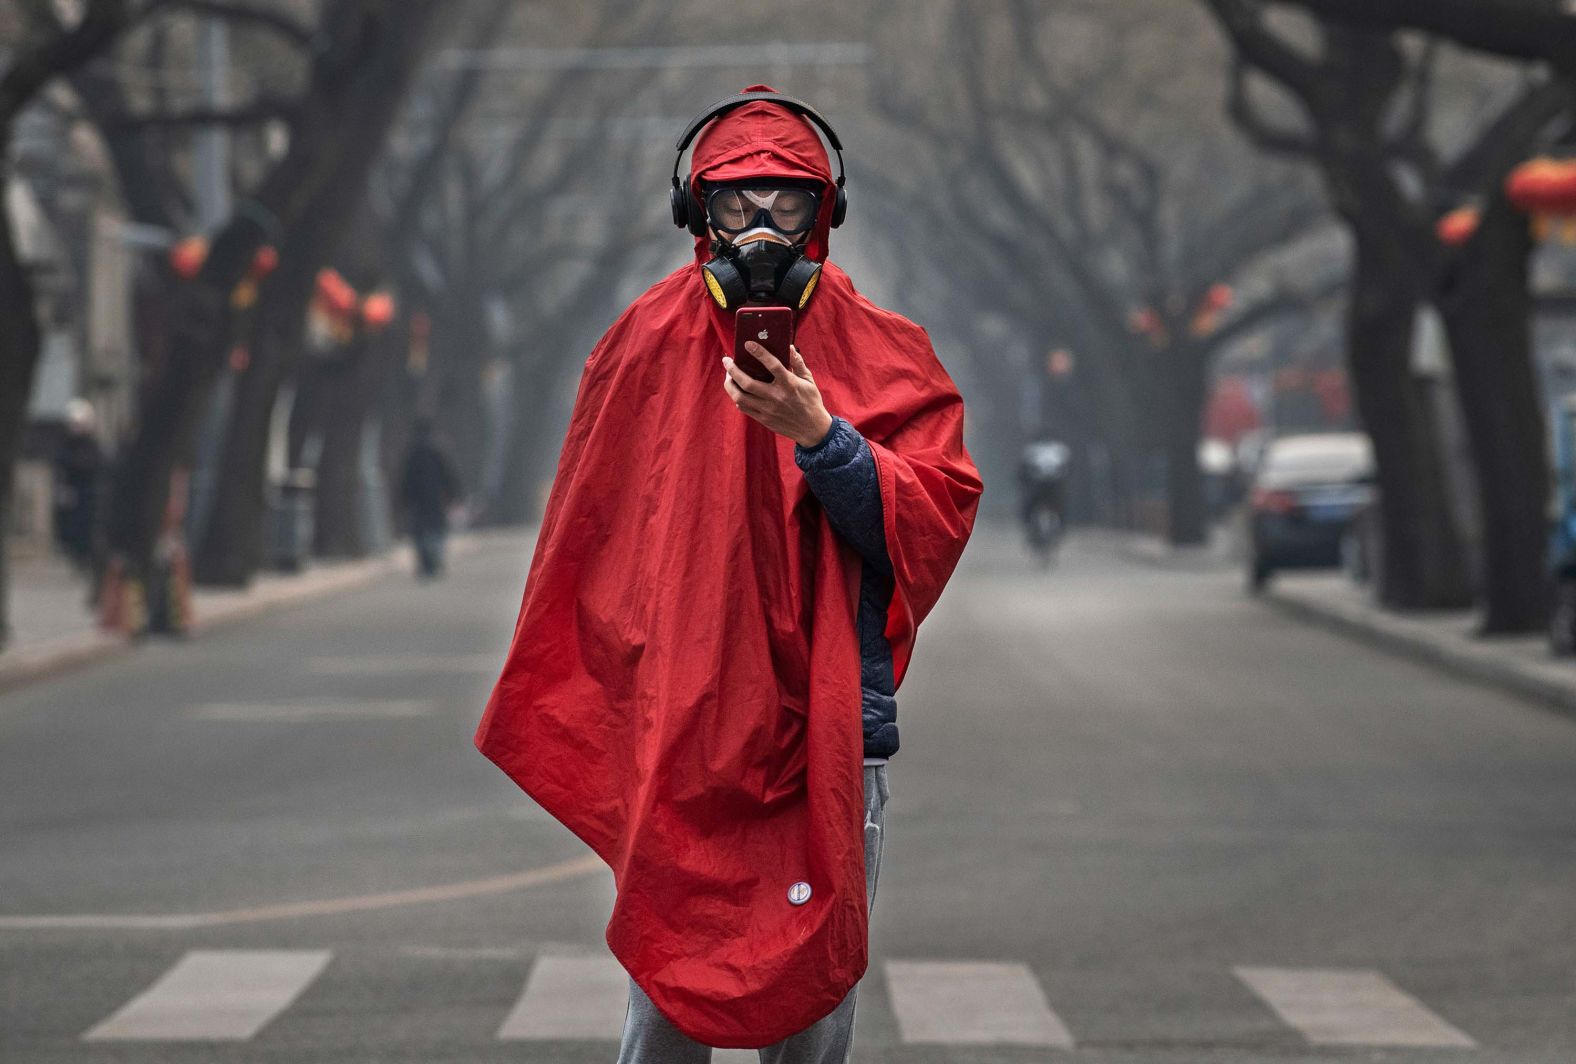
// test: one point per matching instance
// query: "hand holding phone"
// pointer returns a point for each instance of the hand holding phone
(772, 328)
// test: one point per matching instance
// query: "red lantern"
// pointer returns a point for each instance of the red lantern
(1144, 321)
(264, 262)
(1457, 227)
(377, 311)
(334, 293)
(1218, 297)
(1543, 184)
(187, 257)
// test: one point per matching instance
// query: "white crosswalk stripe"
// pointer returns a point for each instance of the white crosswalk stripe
(581, 995)
(976, 1002)
(1350, 1007)
(582, 998)
(570, 997)
(214, 995)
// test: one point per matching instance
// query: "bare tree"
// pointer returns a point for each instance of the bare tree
(367, 51)
(1076, 225)
(1390, 184)
(51, 50)
(231, 550)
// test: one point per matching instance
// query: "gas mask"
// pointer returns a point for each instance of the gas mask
(758, 255)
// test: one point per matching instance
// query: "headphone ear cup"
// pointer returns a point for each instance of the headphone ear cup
(840, 208)
(694, 214)
(679, 203)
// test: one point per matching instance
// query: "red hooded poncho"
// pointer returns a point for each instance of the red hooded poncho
(683, 686)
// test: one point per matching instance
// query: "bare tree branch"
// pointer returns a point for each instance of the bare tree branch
(262, 109)
(1515, 30)
(263, 17)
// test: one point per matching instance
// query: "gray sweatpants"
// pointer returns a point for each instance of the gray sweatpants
(649, 1037)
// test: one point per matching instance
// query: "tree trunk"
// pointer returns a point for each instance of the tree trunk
(1187, 518)
(530, 396)
(232, 549)
(346, 394)
(1486, 303)
(460, 343)
(1422, 561)
(19, 351)
(348, 116)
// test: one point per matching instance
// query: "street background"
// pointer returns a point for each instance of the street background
(1245, 731)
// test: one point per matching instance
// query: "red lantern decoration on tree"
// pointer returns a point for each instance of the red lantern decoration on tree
(377, 311)
(1457, 227)
(264, 262)
(1546, 188)
(1543, 185)
(334, 294)
(187, 257)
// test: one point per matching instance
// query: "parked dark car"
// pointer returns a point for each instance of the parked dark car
(1305, 495)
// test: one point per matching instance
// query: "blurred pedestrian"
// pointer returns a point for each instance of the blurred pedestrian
(79, 474)
(723, 600)
(429, 487)
(1042, 493)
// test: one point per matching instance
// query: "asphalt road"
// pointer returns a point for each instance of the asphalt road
(1135, 817)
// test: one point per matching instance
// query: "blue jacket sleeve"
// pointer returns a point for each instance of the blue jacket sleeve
(841, 472)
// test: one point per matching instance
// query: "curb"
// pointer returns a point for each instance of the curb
(219, 608)
(1551, 684)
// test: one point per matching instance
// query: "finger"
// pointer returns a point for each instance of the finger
(741, 379)
(799, 366)
(742, 401)
(769, 360)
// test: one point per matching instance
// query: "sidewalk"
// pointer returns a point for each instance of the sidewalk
(53, 629)
(1520, 665)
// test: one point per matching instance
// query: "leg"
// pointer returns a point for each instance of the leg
(426, 561)
(651, 1038)
(439, 538)
(829, 1039)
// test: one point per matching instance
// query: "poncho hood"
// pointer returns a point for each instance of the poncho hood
(763, 139)
(682, 689)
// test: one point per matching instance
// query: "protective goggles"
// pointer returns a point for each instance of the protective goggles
(733, 209)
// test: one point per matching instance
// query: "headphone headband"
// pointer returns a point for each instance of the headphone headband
(728, 103)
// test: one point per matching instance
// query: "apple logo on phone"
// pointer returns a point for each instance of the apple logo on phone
(763, 334)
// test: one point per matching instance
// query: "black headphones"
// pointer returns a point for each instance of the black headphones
(695, 220)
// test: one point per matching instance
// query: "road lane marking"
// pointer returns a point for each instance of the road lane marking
(470, 888)
(570, 997)
(214, 995)
(1333, 1006)
(976, 1002)
(312, 709)
(387, 665)
(584, 999)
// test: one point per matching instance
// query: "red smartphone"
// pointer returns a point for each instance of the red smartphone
(771, 327)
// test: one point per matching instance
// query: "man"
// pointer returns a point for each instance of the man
(726, 568)
(1042, 482)
(429, 485)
